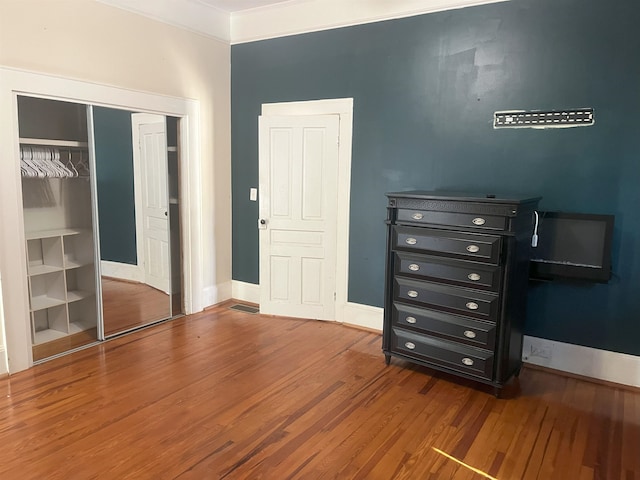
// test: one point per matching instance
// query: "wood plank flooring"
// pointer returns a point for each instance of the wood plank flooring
(226, 394)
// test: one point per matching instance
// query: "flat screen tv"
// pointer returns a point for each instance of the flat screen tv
(572, 246)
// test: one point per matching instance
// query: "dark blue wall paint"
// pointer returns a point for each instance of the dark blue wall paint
(114, 174)
(425, 89)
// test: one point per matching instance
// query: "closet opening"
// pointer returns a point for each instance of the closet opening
(58, 227)
(100, 190)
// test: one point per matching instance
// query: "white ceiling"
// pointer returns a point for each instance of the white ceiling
(237, 5)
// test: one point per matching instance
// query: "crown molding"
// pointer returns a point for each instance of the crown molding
(191, 15)
(292, 17)
(303, 16)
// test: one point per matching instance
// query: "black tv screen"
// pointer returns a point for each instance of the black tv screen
(572, 246)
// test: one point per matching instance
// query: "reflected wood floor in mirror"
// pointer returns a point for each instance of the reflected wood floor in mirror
(227, 394)
(129, 305)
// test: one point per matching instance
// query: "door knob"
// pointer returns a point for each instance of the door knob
(262, 224)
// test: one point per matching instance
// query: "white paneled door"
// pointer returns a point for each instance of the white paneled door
(155, 226)
(298, 188)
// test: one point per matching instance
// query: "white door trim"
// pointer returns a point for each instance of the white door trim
(14, 82)
(344, 108)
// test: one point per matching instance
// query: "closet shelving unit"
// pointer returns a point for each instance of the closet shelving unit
(61, 271)
(61, 275)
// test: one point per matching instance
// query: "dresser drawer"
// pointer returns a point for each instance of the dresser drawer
(463, 358)
(423, 320)
(486, 222)
(469, 246)
(453, 299)
(470, 274)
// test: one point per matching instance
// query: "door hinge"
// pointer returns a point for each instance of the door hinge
(334, 296)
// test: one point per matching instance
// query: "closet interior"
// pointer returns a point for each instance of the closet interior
(57, 210)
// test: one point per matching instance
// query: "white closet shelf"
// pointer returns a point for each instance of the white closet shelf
(44, 336)
(43, 301)
(55, 233)
(76, 295)
(42, 269)
(70, 264)
(53, 143)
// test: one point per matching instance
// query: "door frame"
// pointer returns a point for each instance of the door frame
(13, 82)
(344, 108)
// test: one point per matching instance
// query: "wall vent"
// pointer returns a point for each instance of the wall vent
(579, 117)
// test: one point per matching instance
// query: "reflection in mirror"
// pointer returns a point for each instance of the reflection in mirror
(134, 218)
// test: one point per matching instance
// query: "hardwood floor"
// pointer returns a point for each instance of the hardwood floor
(226, 394)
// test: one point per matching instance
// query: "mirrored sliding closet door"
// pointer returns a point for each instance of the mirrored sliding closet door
(102, 263)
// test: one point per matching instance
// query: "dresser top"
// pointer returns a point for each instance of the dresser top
(490, 198)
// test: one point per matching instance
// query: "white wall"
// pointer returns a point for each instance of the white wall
(93, 42)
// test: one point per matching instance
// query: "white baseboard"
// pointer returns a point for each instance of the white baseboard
(246, 292)
(4, 367)
(216, 293)
(366, 316)
(589, 362)
(3, 361)
(124, 271)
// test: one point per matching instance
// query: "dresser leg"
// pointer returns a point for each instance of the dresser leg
(517, 373)
(387, 359)
(497, 391)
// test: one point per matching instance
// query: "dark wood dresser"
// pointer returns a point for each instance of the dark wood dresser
(456, 282)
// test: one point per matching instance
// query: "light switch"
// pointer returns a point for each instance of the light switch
(253, 194)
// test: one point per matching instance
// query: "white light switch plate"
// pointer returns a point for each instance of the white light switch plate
(253, 194)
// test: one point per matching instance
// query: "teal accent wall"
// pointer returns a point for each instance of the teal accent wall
(114, 175)
(425, 89)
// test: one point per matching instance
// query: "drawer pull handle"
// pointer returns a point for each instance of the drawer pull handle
(417, 216)
(470, 248)
(469, 334)
(411, 241)
(474, 277)
(414, 267)
(410, 345)
(467, 361)
(472, 305)
(411, 320)
(412, 293)
(478, 221)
